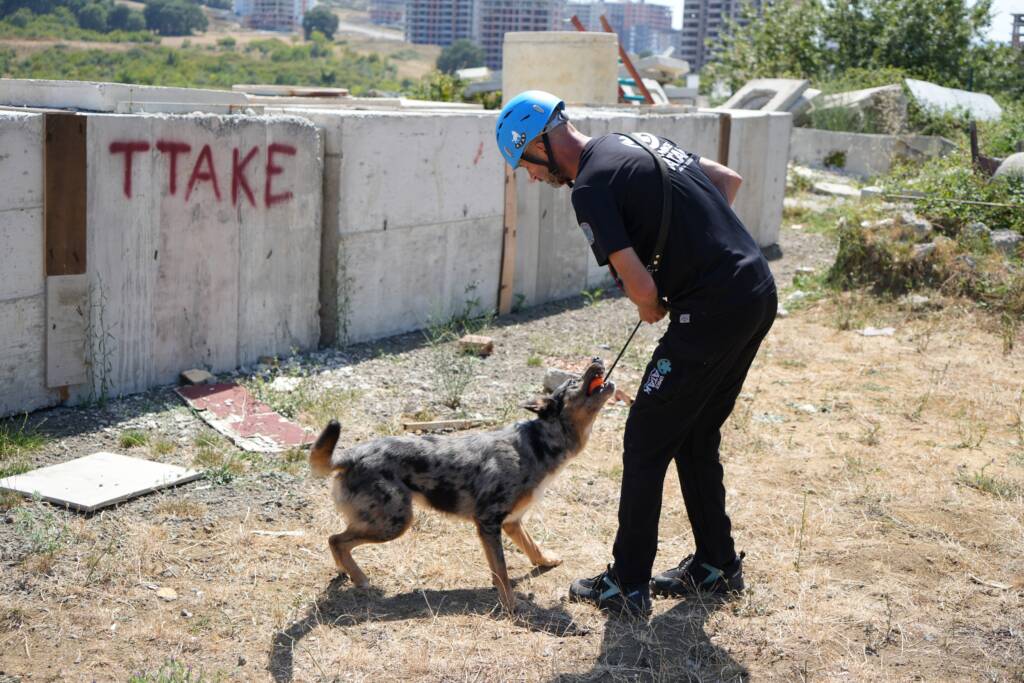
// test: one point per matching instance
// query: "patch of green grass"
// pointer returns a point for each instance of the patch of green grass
(216, 458)
(16, 439)
(40, 528)
(1000, 488)
(171, 671)
(162, 446)
(133, 438)
(534, 362)
(592, 296)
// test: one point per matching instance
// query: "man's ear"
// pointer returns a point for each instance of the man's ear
(542, 405)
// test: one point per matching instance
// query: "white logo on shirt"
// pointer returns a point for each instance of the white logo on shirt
(674, 157)
(587, 232)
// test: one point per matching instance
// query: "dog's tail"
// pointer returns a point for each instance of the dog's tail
(320, 454)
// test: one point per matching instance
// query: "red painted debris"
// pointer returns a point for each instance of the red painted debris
(249, 423)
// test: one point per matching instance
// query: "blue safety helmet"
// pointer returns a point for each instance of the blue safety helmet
(527, 115)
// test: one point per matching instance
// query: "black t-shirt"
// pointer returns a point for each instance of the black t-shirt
(710, 261)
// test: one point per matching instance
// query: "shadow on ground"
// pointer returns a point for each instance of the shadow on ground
(340, 606)
(673, 646)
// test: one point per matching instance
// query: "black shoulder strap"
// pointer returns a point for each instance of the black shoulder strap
(666, 205)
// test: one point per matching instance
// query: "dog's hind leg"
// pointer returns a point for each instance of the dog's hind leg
(522, 539)
(490, 538)
(341, 548)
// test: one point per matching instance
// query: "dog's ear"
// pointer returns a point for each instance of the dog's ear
(542, 405)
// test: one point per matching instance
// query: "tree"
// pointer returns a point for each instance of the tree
(460, 55)
(93, 17)
(174, 17)
(124, 18)
(320, 19)
(929, 39)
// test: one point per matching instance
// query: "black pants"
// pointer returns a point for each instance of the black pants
(689, 389)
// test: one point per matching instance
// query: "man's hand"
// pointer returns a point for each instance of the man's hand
(652, 312)
(639, 285)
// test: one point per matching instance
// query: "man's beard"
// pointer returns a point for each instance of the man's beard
(555, 178)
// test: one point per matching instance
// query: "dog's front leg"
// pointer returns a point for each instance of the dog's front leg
(490, 537)
(526, 543)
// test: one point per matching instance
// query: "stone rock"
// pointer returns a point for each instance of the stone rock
(872, 191)
(915, 301)
(978, 229)
(798, 295)
(1012, 165)
(554, 377)
(781, 312)
(1006, 241)
(285, 384)
(876, 225)
(167, 594)
(836, 190)
(920, 226)
(923, 251)
(877, 332)
(476, 344)
(197, 376)
(968, 261)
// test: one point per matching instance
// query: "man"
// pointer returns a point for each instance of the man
(711, 280)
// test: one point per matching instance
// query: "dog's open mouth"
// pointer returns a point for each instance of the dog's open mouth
(595, 379)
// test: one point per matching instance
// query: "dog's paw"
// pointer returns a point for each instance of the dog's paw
(549, 561)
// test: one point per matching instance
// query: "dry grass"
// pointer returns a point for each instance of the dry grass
(884, 534)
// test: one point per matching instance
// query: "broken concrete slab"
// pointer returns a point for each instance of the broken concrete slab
(250, 424)
(864, 155)
(836, 190)
(98, 480)
(951, 100)
(476, 344)
(768, 94)
(886, 104)
(1012, 165)
(197, 376)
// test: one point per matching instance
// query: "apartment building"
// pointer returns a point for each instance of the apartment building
(703, 21)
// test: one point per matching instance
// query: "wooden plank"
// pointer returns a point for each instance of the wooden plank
(724, 133)
(65, 194)
(508, 244)
(67, 321)
(628, 63)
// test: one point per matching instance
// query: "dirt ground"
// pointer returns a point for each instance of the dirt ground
(875, 484)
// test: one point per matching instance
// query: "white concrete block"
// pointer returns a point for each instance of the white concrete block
(104, 97)
(22, 360)
(212, 265)
(579, 67)
(21, 160)
(21, 258)
(759, 151)
(98, 480)
(397, 281)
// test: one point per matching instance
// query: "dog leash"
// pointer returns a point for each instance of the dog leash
(624, 346)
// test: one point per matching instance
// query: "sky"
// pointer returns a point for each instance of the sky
(998, 30)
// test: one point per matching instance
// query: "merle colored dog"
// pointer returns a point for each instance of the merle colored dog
(491, 478)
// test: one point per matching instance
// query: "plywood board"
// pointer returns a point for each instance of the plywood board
(98, 480)
(67, 316)
(250, 424)
(65, 194)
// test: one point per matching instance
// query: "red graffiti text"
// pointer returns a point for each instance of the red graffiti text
(245, 167)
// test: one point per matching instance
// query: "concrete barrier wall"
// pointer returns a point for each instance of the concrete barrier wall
(862, 154)
(22, 282)
(212, 240)
(759, 151)
(202, 238)
(553, 259)
(412, 220)
(203, 243)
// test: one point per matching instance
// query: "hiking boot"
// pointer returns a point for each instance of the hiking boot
(692, 578)
(605, 592)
